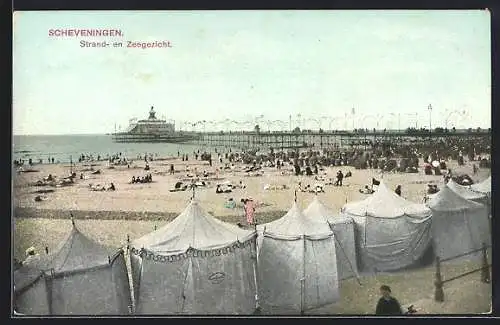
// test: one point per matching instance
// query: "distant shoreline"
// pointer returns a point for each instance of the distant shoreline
(60, 135)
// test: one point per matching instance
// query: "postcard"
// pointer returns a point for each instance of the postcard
(272, 162)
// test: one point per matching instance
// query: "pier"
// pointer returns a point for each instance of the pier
(328, 139)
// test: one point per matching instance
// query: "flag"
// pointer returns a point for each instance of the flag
(375, 182)
(353, 111)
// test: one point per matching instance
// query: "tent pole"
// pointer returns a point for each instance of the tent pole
(303, 279)
(256, 273)
(48, 285)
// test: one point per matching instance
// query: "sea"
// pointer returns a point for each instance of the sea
(66, 148)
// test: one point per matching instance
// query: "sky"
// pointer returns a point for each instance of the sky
(313, 68)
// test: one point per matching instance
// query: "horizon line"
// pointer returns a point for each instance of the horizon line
(56, 134)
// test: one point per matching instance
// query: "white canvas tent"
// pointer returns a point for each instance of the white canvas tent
(297, 265)
(195, 264)
(458, 225)
(85, 278)
(467, 192)
(391, 232)
(343, 230)
(30, 292)
(484, 187)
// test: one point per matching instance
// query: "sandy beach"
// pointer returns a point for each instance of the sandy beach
(150, 200)
(154, 202)
(136, 209)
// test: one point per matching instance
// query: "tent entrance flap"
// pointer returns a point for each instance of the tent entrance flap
(355, 272)
(187, 278)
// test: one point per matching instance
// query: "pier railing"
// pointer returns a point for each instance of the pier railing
(326, 139)
(358, 132)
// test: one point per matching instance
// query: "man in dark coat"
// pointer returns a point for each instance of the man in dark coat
(387, 305)
(398, 190)
(340, 177)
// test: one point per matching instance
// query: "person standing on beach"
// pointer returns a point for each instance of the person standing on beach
(249, 211)
(340, 177)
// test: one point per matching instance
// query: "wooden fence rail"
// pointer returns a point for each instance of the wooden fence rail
(439, 282)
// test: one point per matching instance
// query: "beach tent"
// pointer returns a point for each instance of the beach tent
(343, 230)
(85, 278)
(297, 265)
(30, 292)
(391, 232)
(484, 187)
(195, 264)
(458, 225)
(467, 192)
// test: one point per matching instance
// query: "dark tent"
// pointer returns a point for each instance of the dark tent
(30, 292)
(85, 278)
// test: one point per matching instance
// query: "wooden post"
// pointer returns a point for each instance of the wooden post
(485, 271)
(438, 282)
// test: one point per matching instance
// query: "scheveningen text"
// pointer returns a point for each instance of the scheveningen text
(84, 32)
